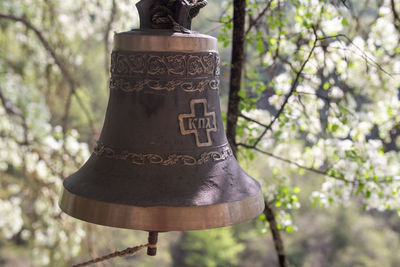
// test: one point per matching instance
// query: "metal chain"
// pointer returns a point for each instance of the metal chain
(125, 252)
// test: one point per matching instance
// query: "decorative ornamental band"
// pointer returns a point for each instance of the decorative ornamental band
(220, 154)
(161, 65)
(128, 85)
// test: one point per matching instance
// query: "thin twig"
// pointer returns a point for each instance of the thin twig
(325, 173)
(252, 120)
(260, 15)
(363, 54)
(10, 108)
(327, 99)
(317, 171)
(292, 90)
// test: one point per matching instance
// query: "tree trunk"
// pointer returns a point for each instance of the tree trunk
(276, 235)
(237, 62)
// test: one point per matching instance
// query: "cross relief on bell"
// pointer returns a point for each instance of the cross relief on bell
(199, 122)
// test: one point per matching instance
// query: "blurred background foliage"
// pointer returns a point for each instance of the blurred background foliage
(329, 163)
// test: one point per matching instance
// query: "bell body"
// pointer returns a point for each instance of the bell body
(163, 162)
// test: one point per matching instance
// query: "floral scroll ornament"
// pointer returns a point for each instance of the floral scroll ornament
(220, 154)
(161, 71)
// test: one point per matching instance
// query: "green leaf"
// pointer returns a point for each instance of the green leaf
(260, 46)
(326, 85)
(278, 133)
(345, 23)
(242, 94)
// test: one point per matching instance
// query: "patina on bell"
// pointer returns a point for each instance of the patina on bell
(163, 162)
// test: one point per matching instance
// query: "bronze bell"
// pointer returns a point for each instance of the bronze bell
(163, 162)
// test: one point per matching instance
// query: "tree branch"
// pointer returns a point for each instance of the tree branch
(396, 17)
(57, 60)
(45, 44)
(292, 90)
(257, 19)
(321, 172)
(252, 120)
(14, 111)
(10, 109)
(364, 55)
(325, 173)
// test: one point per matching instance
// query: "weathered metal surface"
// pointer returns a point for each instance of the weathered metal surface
(163, 161)
(152, 247)
(161, 41)
(162, 218)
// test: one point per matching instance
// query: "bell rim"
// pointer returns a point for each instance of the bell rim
(161, 218)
